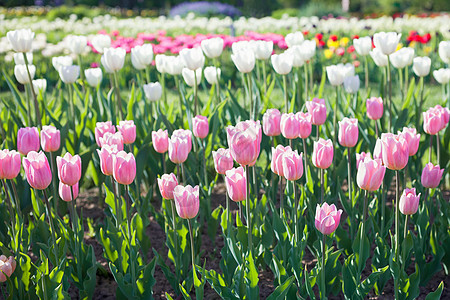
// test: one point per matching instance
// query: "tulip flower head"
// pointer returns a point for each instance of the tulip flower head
(27, 140)
(292, 164)
(69, 74)
(351, 84)
(360, 157)
(421, 66)
(37, 170)
(128, 131)
(442, 75)
(106, 155)
(282, 63)
(21, 39)
(167, 184)
(305, 125)
(200, 126)
(276, 164)
(50, 139)
(290, 126)
(374, 106)
(412, 138)
(378, 150)
(112, 139)
(387, 42)
(402, 58)
(124, 167)
(66, 194)
(380, 59)
(142, 56)
(69, 168)
(213, 47)
(186, 201)
(244, 60)
(236, 184)
(370, 174)
(160, 140)
(409, 202)
(318, 111)
(39, 86)
(323, 153)
(363, 45)
(431, 176)
(444, 51)
(348, 132)
(211, 74)
(294, 38)
(9, 164)
(193, 59)
(244, 141)
(152, 91)
(271, 122)
(192, 77)
(100, 42)
(327, 218)
(179, 148)
(94, 76)
(101, 128)
(185, 134)
(432, 121)
(76, 44)
(395, 151)
(21, 74)
(7, 266)
(263, 49)
(223, 161)
(113, 59)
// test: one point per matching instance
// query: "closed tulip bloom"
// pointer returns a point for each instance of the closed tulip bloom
(327, 218)
(395, 151)
(142, 56)
(370, 174)
(348, 132)
(292, 164)
(432, 121)
(244, 60)
(101, 128)
(402, 58)
(360, 157)
(184, 134)
(318, 111)
(20, 60)
(335, 75)
(308, 49)
(347, 70)
(153, 91)
(263, 49)
(76, 43)
(200, 126)
(380, 59)
(412, 138)
(50, 138)
(128, 131)
(100, 42)
(387, 42)
(27, 140)
(64, 191)
(7, 266)
(160, 140)
(161, 63)
(69, 168)
(409, 202)
(290, 126)
(37, 170)
(167, 184)
(187, 201)
(20, 72)
(21, 39)
(442, 75)
(112, 139)
(421, 66)
(305, 124)
(323, 153)
(69, 74)
(296, 52)
(363, 45)
(114, 58)
(124, 167)
(271, 122)
(236, 184)
(9, 164)
(212, 47)
(444, 51)
(445, 114)
(94, 76)
(378, 150)
(276, 164)
(59, 61)
(282, 63)
(173, 65)
(106, 155)
(105, 65)
(351, 84)
(431, 176)
(192, 77)
(39, 85)
(211, 74)
(244, 146)
(193, 59)
(178, 149)
(294, 38)
(374, 106)
(223, 161)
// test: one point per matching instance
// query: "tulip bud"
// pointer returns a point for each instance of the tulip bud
(292, 164)
(178, 149)
(172, 65)
(192, 78)
(327, 218)
(76, 43)
(431, 176)
(380, 59)
(211, 74)
(153, 91)
(167, 184)
(106, 154)
(271, 122)
(21, 39)
(161, 62)
(69, 74)
(402, 58)
(200, 126)
(348, 132)
(432, 121)
(263, 49)
(395, 151)
(351, 84)
(296, 52)
(50, 139)
(370, 174)
(244, 146)
(37, 170)
(363, 45)
(360, 158)
(305, 125)
(374, 107)
(142, 56)
(323, 153)
(187, 201)
(223, 161)
(20, 60)
(277, 156)
(244, 60)
(212, 47)
(318, 111)
(290, 126)
(160, 141)
(421, 66)
(444, 51)
(128, 131)
(9, 164)
(100, 42)
(294, 38)
(94, 76)
(193, 59)
(124, 167)
(112, 139)
(39, 86)
(282, 63)
(27, 140)
(442, 75)
(236, 183)
(101, 128)
(409, 202)
(114, 58)
(387, 42)
(20, 71)
(60, 61)
(64, 191)
(69, 168)
(412, 138)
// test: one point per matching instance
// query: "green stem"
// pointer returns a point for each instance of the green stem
(132, 265)
(250, 95)
(335, 133)
(264, 77)
(281, 196)
(400, 81)
(192, 245)
(366, 73)
(17, 199)
(349, 183)
(305, 70)
(311, 77)
(81, 70)
(195, 94)
(216, 64)
(421, 102)
(299, 85)
(175, 238)
(406, 80)
(205, 173)
(296, 212)
(389, 81)
(322, 171)
(73, 117)
(305, 157)
(405, 231)
(431, 148)
(322, 271)
(286, 97)
(14, 243)
(228, 206)
(119, 100)
(247, 206)
(397, 215)
(147, 74)
(116, 203)
(30, 121)
(177, 83)
(36, 104)
(55, 187)
(77, 257)
(438, 148)
(383, 208)
(52, 227)
(361, 238)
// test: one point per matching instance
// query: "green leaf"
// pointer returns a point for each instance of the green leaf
(281, 291)
(436, 295)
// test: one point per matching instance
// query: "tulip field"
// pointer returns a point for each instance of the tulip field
(196, 158)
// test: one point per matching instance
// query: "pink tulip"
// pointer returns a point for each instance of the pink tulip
(106, 154)
(178, 149)
(9, 164)
(271, 122)
(244, 147)
(292, 164)
(200, 126)
(112, 139)
(412, 138)
(64, 191)
(236, 184)
(186, 201)
(378, 151)
(318, 110)
(50, 139)
(305, 124)
(160, 140)
(360, 157)
(370, 174)
(277, 156)
(101, 128)
(124, 167)
(348, 132)
(184, 133)
(432, 121)
(128, 131)
(223, 161)
(327, 218)
(27, 140)
(409, 202)
(7, 267)
(395, 151)
(37, 170)
(445, 115)
(431, 176)
(374, 107)
(290, 126)
(167, 184)
(323, 153)
(69, 168)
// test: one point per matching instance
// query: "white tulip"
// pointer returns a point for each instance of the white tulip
(211, 74)
(387, 42)
(296, 52)
(242, 45)
(363, 45)
(351, 84)
(173, 65)
(308, 49)
(347, 69)
(59, 61)
(282, 63)
(188, 76)
(193, 59)
(39, 85)
(294, 38)
(244, 60)
(107, 69)
(421, 66)
(444, 51)
(336, 74)
(76, 43)
(160, 62)
(69, 74)
(402, 58)
(379, 58)
(212, 47)
(21, 39)
(20, 60)
(93, 76)
(100, 42)
(114, 58)
(20, 71)
(142, 56)
(263, 49)
(153, 91)
(442, 75)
